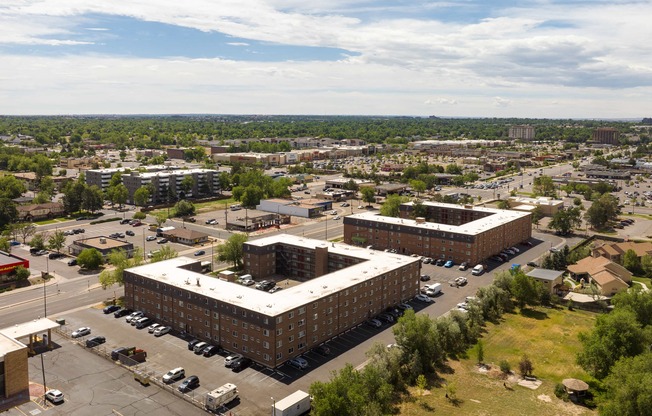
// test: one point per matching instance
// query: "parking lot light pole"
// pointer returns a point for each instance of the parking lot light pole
(273, 406)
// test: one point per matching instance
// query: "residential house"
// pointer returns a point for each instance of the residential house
(34, 212)
(609, 277)
(615, 252)
(552, 280)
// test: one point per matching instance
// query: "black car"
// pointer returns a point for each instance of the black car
(131, 233)
(188, 384)
(53, 256)
(110, 308)
(532, 264)
(241, 364)
(125, 221)
(211, 350)
(95, 341)
(122, 312)
(192, 343)
(439, 262)
(72, 262)
(78, 231)
(323, 350)
(116, 352)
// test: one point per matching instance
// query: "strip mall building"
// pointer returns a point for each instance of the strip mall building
(335, 287)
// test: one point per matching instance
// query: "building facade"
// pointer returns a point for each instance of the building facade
(335, 287)
(522, 132)
(606, 135)
(169, 185)
(447, 231)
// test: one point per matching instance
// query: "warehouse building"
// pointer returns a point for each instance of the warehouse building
(445, 231)
(328, 288)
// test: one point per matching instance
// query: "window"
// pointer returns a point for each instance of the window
(302, 310)
(279, 319)
(291, 315)
(290, 350)
(302, 322)
(245, 337)
(180, 314)
(279, 344)
(279, 355)
(266, 357)
(266, 332)
(235, 334)
(266, 345)
(290, 327)
(244, 325)
(291, 338)
(279, 331)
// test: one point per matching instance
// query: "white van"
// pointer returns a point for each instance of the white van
(477, 270)
(434, 289)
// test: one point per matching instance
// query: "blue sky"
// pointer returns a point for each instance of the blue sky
(541, 58)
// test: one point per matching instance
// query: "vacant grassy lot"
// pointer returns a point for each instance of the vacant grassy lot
(547, 336)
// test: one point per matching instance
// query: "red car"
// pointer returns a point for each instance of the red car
(136, 224)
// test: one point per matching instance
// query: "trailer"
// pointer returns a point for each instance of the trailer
(297, 403)
(220, 396)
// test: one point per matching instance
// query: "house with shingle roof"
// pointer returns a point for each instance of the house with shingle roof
(615, 252)
(609, 277)
(35, 212)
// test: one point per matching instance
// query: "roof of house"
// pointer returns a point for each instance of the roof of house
(186, 233)
(618, 249)
(545, 274)
(55, 206)
(601, 269)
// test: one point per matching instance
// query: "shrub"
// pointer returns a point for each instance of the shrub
(505, 367)
(560, 392)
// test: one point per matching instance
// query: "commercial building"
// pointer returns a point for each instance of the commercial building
(446, 231)
(606, 135)
(522, 132)
(104, 245)
(9, 262)
(252, 220)
(548, 206)
(305, 208)
(334, 287)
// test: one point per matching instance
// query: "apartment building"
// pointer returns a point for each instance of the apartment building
(205, 182)
(446, 231)
(522, 132)
(606, 135)
(331, 288)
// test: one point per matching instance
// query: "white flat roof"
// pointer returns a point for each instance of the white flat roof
(497, 217)
(27, 328)
(273, 304)
(175, 172)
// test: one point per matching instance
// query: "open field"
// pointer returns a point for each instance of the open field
(547, 336)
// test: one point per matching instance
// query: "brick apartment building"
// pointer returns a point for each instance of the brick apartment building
(205, 183)
(450, 232)
(334, 287)
(606, 135)
(523, 132)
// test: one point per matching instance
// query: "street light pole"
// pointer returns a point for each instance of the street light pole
(44, 386)
(273, 407)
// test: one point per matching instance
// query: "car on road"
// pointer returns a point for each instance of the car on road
(337, 217)
(122, 312)
(192, 219)
(212, 221)
(298, 362)
(200, 253)
(423, 298)
(462, 305)
(69, 232)
(344, 204)
(374, 323)
(161, 330)
(240, 364)
(130, 233)
(449, 264)
(41, 253)
(323, 350)
(80, 332)
(137, 224)
(150, 238)
(228, 361)
(174, 374)
(109, 309)
(554, 250)
(54, 395)
(188, 384)
(72, 262)
(95, 341)
(461, 281)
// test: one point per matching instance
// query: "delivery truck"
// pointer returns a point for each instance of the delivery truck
(221, 396)
(296, 404)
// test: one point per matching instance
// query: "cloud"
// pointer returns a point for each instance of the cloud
(501, 102)
(238, 43)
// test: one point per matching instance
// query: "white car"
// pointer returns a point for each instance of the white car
(152, 328)
(462, 305)
(54, 395)
(161, 330)
(299, 362)
(461, 281)
(337, 217)
(84, 330)
(423, 298)
(174, 374)
(228, 361)
(151, 238)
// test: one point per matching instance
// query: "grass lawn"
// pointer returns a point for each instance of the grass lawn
(645, 280)
(547, 336)
(201, 207)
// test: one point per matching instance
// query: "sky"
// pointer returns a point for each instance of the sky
(457, 58)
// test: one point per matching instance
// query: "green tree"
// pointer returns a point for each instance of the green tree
(46, 186)
(24, 230)
(637, 301)
(184, 208)
(565, 220)
(503, 204)
(231, 250)
(628, 390)
(10, 187)
(4, 245)
(390, 208)
(602, 211)
(525, 290)
(21, 273)
(56, 241)
(525, 366)
(160, 218)
(187, 183)
(418, 186)
(8, 212)
(537, 215)
(90, 259)
(368, 194)
(72, 196)
(119, 260)
(631, 262)
(615, 336)
(142, 196)
(92, 198)
(646, 265)
(417, 337)
(38, 241)
(480, 352)
(164, 253)
(544, 186)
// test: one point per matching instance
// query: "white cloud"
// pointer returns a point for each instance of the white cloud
(578, 55)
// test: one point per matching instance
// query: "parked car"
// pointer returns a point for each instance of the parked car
(424, 277)
(532, 264)
(374, 323)
(192, 219)
(134, 315)
(275, 289)
(323, 350)
(95, 341)
(211, 350)
(461, 281)
(423, 298)
(161, 330)
(188, 384)
(404, 306)
(84, 330)
(137, 224)
(41, 253)
(439, 262)
(298, 362)
(212, 221)
(192, 343)
(199, 347)
(229, 360)
(122, 312)
(200, 253)
(463, 266)
(337, 217)
(125, 221)
(240, 364)
(153, 327)
(174, 374)
(449, 264)
(162, 241)
(150, 238)
(72, 262)
(111, 308)
(386, 317)
(130, 233)
(54, 395)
